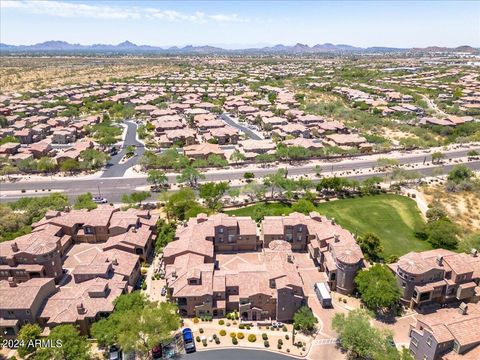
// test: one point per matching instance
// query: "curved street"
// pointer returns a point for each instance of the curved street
(115, 169)
(236, 354)
(114, 187)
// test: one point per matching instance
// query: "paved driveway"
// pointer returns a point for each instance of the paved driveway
(240, 127)
(116, 169)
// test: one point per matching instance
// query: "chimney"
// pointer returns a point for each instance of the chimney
(474, 252)
(134, 230)
(336, 238)
(463, 308)
(439, 260)
(333, 221)
(289, 258)
(12, 282)
(14, 246)
(114, 261)
(81, 309)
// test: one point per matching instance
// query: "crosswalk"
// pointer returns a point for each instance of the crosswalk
(324, 341)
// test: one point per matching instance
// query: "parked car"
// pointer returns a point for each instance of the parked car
(99, 200)
(277, 324)
(113, 151)
(114, 353)
(188, 340)
(157, 352)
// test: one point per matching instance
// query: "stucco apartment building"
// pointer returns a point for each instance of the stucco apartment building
(439, 275)
(72, 266)
(332, 248)
(449, 334)
(269, 289)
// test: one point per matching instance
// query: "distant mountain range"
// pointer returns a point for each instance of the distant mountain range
(128, 47)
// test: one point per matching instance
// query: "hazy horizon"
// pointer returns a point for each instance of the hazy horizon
(236, 25)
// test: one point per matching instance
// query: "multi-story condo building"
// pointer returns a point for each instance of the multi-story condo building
(437, 276)
(92, 256)
(449, 334)
(333, 248)
(271, 289)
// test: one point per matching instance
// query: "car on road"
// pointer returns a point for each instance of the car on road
(188, 340)
(113, 151)
(99, 200)
(114, 353)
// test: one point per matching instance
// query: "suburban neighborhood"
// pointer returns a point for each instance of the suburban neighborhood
(267, 180)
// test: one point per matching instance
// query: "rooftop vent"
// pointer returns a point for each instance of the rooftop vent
(81, 309)
(114, 261)
(336, 238)
(474, 252)
(439, 260)
(463, 308)
(14, 246)
(333, 221)
(12, 282)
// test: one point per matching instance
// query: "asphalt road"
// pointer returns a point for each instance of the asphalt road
(115, 169)
(251, 134)
(114, 188)
(236, 354)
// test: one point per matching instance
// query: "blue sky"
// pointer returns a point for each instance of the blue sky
(243, 23)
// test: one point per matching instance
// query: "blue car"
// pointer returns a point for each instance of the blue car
(188, 340)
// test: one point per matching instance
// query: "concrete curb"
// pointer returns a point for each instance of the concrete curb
(250, 348)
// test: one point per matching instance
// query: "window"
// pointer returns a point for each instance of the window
(299, 238)
(220, 230)
(404, 284)
(300, 229)
(88, 230)
(429, 341)
(414, 341)
(27, 312)
(10, 313)
(425, 357)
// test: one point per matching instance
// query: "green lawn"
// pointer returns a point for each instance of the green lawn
(392, 218)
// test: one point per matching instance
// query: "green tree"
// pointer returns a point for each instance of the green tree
(237, 156)
(191, 176)
(141, 330)
(249, 176)
(370, 245)
(303, 206)
(46, 164)
(360, 338)
(378, 287)
(94, 159)
(304, 320)
(473, 154)
(182, 205)
(212, 193)
(74, 346)
(443, 234)
(460, 173)
(136, 197)
(84, 201)
(70, 165)
(157, 178)
(166, 234)
(27, 333)
(437, 157)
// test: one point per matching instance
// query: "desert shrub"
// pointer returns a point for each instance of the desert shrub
(234, 341)
(201, 330)
(252, 338)
(284, 328)
(204, 342)
(240, 335)
(232, 334)
(264, 336)
(241, 326)
(266, 344)
(217, 341)
(221, 322)
(223, 332)
(287, 337)
(197, 338)
(196, 320)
